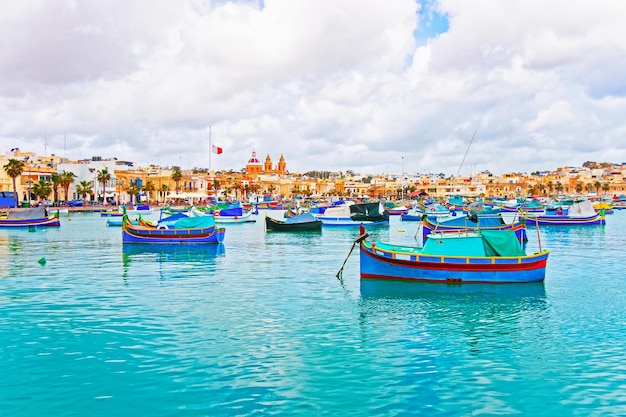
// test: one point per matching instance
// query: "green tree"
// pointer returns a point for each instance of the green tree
(149, 188)
(14, 169)
(606, 187)
(55, 179)
(67, 178)
(597, 186)
(42, 189)
(579, 188)
(103, 177)
(550, 186)
(542, 188)
(133, 191)
(83, 188)
(558, 187)
(177, 176)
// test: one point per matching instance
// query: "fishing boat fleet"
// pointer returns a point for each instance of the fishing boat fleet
(467, 242)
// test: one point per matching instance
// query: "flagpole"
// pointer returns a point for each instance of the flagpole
(210, 148)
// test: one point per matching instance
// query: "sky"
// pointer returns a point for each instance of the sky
(411, 86)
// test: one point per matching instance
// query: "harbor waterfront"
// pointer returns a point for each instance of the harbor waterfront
(261, 325)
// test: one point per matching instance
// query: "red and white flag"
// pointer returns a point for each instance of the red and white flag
(217, 149)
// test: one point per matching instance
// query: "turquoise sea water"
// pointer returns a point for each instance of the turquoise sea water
(262, 326)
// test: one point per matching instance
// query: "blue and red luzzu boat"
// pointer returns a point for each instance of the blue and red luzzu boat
(488, 257)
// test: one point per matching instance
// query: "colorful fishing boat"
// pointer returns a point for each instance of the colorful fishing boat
(354, 214)
(395, 209)
(234, 215)
(143, 210)
(432, 209)
(580, 213)
(305, 222)
(29, 217)
(488, 257)
(186, 230)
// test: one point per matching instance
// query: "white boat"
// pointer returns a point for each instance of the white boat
(144, 210)
(353, 214)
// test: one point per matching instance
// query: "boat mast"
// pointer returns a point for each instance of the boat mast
(466, 151)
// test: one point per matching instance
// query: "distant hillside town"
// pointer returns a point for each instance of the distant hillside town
(55, 180)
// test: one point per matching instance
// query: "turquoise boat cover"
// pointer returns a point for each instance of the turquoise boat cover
(501, 243)
(200, 222)
(465, 245)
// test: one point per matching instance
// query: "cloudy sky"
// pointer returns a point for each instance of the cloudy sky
(365, 85)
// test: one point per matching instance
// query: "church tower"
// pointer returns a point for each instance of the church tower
(282, 165)
(268, 164)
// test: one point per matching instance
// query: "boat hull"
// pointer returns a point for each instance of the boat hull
(22, 223)
(390, 265)
(556, 220)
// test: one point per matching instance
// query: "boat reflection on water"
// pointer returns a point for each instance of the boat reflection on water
(170, 261)
(172, 253)
(375, 288)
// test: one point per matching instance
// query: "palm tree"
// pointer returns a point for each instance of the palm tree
(589, 187)
(103, 177)
(542, 188)
(163, 190)
(177, 175)
(606, 187)
(83, 188)
(55, 179)
(558, 187)
(149, 188)
(550, 185)
(67, 178)
(133, 191)
(597, 186)
(42, 189)
(14, 169)
(579, 188)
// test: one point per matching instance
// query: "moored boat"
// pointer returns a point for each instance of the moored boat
(29, 217)
(305, 222)
(186, 230)
(234, 215)
(579, 214)
(354, 214)
(490, 257)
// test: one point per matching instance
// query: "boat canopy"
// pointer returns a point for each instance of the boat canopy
(582, 209)
(231, 211)
(28, 214)
(301, 218)
(200, 222)
(501, 243)
(365, 211)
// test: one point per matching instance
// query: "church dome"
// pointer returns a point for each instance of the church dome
(253, 160)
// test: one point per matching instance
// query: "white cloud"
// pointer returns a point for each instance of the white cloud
(330, 84)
